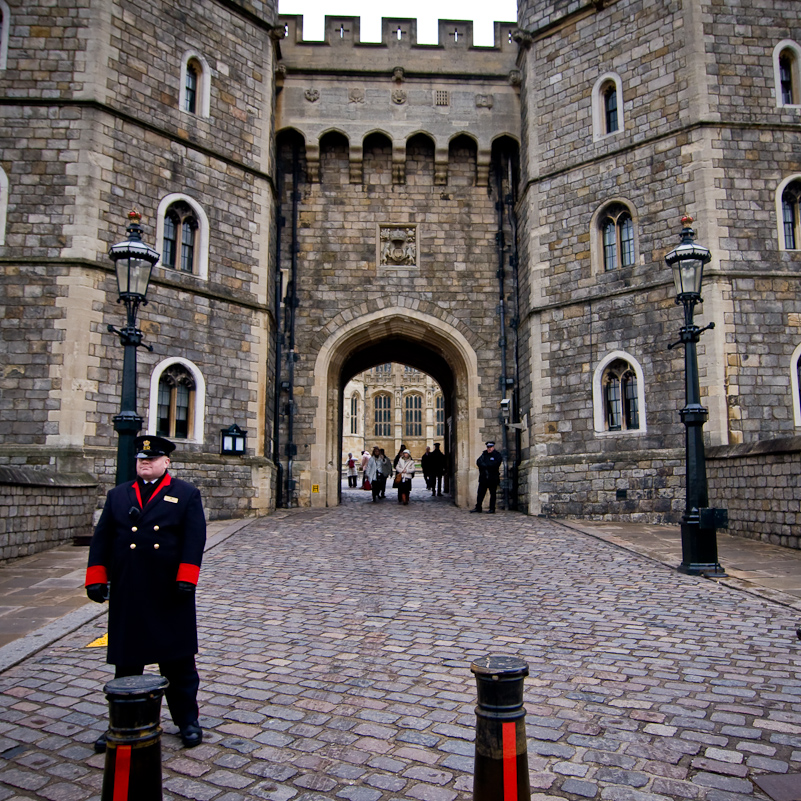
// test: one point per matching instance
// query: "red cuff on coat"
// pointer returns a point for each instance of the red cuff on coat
(96, 574)
(186, 572)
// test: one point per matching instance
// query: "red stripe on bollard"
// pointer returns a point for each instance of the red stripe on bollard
(122, 772)
(510, 761)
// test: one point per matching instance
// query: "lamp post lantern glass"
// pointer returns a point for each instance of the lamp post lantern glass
(699, 523)
(133, 262)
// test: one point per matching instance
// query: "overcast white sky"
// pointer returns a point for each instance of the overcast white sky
(427, 13)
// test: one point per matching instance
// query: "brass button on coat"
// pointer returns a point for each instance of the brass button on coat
(156, 546)
(134, 529)
(133, 545)
(155, 528)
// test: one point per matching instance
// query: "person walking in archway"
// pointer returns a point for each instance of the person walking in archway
(405, 469)
(489, 476)
(438, 463)
(352, 472)
(425, 465)
(377, 471)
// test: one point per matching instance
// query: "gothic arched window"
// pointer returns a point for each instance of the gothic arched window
(791, 216)
(610, 108)
(786, 57)
(617, 237)
(440, 410)
(383, 411)
(190, 87)
(175, 403)
(414, 416)
(194, 96)
(180, 235)
(354, 414)
(621, 397)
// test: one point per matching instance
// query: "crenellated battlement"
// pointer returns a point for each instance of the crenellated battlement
(455, 52)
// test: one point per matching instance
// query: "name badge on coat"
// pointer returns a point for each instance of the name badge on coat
(170, 499)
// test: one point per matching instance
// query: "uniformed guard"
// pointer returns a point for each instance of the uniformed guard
(145, 560)
(489, 476)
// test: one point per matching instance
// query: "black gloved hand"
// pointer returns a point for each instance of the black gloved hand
(97, 593)
(185, 588)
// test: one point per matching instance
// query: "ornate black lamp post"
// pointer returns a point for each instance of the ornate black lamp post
(133, 261)
(699, 525)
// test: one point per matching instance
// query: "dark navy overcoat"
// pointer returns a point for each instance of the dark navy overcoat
(142, 557)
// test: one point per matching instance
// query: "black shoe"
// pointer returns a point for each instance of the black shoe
(491, 512)
(192, 735)
(477, 509)
(439, 494)
(100, 744)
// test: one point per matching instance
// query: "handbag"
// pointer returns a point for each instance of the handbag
(367, 484)
(397, 481)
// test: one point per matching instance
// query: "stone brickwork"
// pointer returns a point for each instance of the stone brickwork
(759, 485)
(40, 509)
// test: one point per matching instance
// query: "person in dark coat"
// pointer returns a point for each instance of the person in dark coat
(489, 476)
(438, 464)
(145, 558)
(427, 468)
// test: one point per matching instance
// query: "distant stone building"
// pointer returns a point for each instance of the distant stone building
(392, 405)
(494, 217)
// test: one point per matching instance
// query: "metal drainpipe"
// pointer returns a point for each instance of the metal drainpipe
(291, 448)
(501, 245)
(514, 264)
(279, 341)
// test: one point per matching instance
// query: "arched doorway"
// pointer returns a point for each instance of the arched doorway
(420, 340)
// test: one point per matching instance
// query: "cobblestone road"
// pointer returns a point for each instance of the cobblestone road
(336, 647)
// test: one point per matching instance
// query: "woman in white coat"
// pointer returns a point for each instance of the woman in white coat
(405, 469)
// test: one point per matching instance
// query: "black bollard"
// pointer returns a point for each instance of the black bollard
(501, 766)
(133, 750)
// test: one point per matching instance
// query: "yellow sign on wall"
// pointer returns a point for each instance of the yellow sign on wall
(315, 488)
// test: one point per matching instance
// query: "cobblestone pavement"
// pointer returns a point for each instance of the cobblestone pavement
(335, 658)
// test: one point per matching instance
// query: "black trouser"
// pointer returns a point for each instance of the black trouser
(485, 484)
(379, 485)
(437, 480)
(352, 481)
(181, 695)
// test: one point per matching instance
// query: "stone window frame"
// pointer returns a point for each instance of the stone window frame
(607, 208)
(3, 204)
(780, 190)
(795, 385)
(201, 255)
(607, 80)
(439, 411)
(198, 410)
(599, 409)
(203, 91)
(782, 49)
(5, 26)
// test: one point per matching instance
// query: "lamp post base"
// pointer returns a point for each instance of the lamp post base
(699, 552)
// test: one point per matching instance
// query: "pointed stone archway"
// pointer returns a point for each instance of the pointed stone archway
(412, 337)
